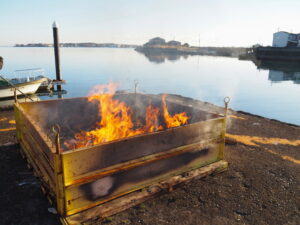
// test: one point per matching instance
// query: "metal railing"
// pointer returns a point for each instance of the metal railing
(15, 91)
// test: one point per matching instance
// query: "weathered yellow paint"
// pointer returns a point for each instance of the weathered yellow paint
(76, 168)
(12, 122)
(236, 117)
(254, 140)
(285, 157)
(3, 119)
(7, 129)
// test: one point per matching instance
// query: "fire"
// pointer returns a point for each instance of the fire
(173, 121)
(116, 119)
(152, 122)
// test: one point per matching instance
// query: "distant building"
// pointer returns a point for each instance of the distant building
(174, 43)
(156, 41)
(285, 39)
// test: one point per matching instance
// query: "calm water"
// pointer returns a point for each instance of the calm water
(271, 91)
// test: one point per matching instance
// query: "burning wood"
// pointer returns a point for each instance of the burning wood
(116, 119)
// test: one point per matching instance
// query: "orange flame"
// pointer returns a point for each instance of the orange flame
(152, 122)
(116, 122)
(176, 120)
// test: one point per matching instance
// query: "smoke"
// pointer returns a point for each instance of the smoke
(82, 114)
(99, 89)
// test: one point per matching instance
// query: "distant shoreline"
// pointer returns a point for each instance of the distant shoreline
(147, 48)
(78, 45)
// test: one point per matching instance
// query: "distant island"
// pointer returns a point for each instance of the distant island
(159, 45)
(79, 45)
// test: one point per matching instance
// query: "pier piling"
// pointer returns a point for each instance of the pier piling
(56, 53)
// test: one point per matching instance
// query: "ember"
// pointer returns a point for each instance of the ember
(116, 119)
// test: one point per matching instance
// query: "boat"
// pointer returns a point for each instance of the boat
(278, 53)
(285, 47)
(25, 85)
(36, 72)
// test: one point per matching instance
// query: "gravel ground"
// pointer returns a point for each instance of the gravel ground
(261, 186)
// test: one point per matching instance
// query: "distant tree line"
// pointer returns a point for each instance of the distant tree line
(86, 45)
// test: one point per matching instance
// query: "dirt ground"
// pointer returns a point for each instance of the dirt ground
(261, 185)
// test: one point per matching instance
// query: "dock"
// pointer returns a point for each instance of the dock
(276, 53)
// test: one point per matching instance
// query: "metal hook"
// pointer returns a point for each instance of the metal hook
(56, 129)
(226, 100)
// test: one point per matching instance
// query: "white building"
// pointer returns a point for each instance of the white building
(285, 39)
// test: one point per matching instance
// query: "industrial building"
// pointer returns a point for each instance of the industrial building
(285, 39)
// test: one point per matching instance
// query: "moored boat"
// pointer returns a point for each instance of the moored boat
(27, 85)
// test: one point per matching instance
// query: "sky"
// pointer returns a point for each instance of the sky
(197, 22)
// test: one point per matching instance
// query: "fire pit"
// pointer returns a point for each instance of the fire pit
(91, 176)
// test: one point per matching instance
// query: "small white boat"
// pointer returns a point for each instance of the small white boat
(35, 72)
(27, 85)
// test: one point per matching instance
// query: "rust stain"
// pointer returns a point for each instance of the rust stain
(236, 117)
(7, 129)
(254, 140)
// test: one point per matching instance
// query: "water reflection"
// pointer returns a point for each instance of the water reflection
(161, 57)
(279, 76)
(39, 95)
(280, 71)
(206, 78)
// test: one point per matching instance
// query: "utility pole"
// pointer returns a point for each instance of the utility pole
(1, 63)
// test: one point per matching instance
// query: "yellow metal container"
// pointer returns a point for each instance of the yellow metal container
(81, 181)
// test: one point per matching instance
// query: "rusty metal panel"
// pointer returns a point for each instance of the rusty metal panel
(83, 196)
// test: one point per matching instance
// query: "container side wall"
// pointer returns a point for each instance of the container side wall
(35, 149)
(80, 162)
(81, 197)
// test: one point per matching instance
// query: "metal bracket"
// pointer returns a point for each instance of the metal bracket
(226, 102)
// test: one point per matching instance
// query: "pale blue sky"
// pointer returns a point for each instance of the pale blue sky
(219, 22)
